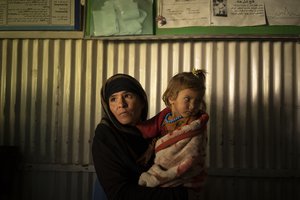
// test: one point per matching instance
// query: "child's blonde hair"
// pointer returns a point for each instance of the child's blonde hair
(186, 80)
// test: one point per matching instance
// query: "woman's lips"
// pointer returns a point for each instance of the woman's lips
(124, 113)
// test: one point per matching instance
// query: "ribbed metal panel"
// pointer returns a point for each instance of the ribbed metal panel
(50, 106)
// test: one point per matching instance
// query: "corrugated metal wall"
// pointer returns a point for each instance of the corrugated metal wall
(49, 103)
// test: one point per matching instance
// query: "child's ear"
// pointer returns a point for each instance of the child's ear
(171, 100)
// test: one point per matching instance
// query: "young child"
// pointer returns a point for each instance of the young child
(181, 132)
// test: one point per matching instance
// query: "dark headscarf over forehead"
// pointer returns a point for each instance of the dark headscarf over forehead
(123, 82)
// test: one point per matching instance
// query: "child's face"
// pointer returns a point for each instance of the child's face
(186, 104)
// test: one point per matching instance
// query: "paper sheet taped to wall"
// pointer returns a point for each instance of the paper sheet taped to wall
(184, 13)
(237, 13)
(283, 12)
(39, 15)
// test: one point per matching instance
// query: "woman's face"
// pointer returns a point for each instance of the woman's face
(126, 107)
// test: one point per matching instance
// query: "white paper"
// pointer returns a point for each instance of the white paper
(237, 13)
(35, 13)
(283, 12)
(183, 13)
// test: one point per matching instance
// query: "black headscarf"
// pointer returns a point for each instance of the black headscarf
(117, 83)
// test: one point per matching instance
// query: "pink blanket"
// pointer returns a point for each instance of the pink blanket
(180, 157)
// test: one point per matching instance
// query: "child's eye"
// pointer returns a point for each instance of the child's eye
(186, 99)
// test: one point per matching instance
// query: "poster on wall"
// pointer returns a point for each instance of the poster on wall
(40, 15)
(184, 13)
(237, 13)
(283, 13)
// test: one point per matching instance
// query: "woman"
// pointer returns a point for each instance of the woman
(118, 145)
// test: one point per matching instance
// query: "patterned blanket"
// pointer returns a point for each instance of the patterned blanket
(180, 157)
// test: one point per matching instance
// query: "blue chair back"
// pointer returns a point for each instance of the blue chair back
(98, 192)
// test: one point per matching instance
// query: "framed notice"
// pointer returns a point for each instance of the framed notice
(40, 15)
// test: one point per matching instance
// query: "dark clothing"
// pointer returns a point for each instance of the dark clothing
(116, 149)
(115, 157)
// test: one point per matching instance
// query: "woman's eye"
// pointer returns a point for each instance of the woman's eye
(113, 99)
(128, 95)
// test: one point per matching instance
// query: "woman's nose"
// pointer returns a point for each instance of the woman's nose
(122, 103)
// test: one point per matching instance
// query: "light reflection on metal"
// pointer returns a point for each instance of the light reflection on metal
(50, 100)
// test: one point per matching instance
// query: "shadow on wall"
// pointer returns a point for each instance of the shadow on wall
(10, 159)
(251, 188)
